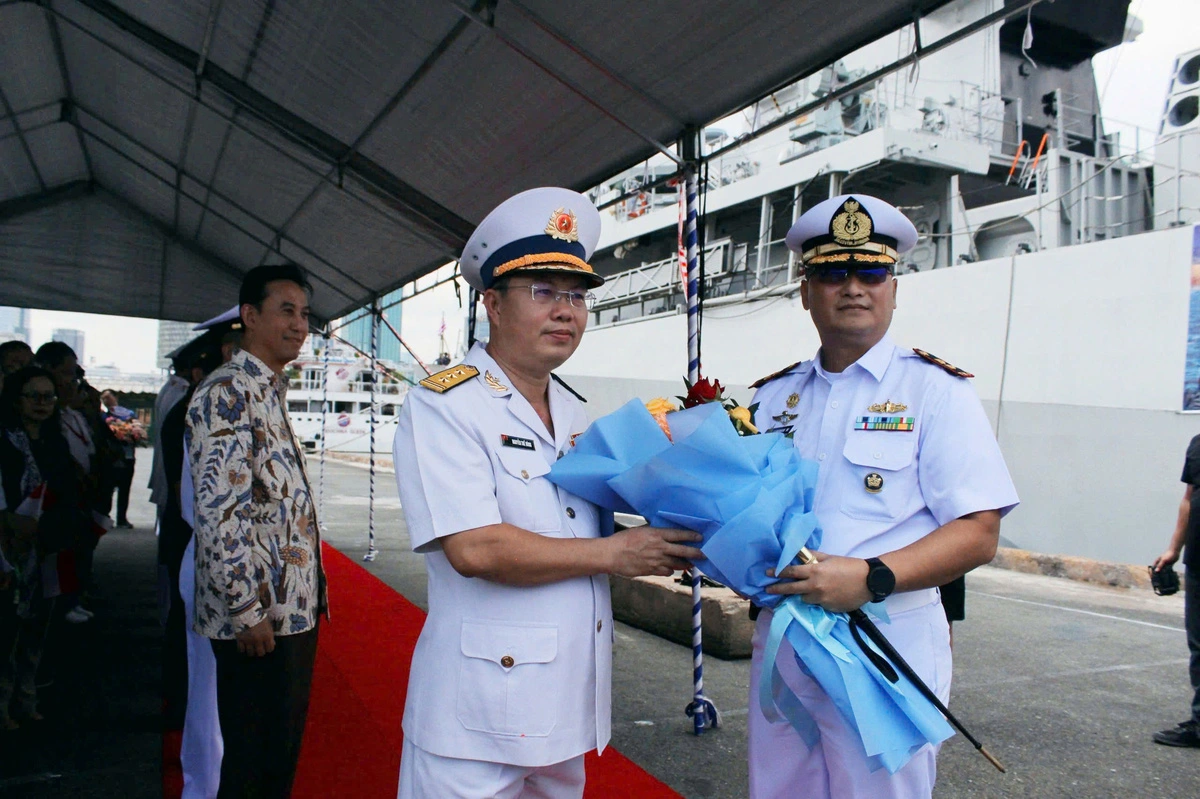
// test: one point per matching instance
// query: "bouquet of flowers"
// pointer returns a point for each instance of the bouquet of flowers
(127, 432)
(751, 497)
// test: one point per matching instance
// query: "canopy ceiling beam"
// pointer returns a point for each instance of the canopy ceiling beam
(452, 229)
(33, 110)
(610, 73)
(219, 195)
(512, 44)
(60, 57)
(396, 215)
(7, 108)
(214, 10)
(259, 32)
(178, 234)
(44, 199)
(424, 69)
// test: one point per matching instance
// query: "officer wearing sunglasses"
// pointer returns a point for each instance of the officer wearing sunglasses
(911, 490)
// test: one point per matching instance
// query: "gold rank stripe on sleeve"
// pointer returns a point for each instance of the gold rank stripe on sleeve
(447, 379)
(902, 424)
(762, 381)
(945, 365)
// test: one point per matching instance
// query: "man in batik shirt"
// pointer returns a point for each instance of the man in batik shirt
(259, 582)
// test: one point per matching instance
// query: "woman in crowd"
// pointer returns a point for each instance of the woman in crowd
(42, 515)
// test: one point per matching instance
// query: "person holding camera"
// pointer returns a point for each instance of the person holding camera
(1186, 539)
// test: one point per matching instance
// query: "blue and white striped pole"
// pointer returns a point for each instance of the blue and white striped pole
(703, 712)
(324, 406)
(375, 314)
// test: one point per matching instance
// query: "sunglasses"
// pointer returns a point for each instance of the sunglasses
(867, 275)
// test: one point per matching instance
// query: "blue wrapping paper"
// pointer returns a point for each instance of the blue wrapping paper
(751, 498)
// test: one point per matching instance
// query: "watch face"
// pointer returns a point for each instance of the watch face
(880, 580)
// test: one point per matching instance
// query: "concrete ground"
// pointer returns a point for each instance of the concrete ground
(1064, 682)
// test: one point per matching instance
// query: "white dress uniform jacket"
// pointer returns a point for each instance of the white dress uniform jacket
(904, 447)
(515, 675)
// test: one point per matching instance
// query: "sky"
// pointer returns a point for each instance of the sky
(1132, 79)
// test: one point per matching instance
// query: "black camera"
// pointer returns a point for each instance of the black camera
(1165, 581)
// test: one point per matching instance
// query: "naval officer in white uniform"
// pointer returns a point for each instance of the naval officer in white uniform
(511, 676)
(910, 492)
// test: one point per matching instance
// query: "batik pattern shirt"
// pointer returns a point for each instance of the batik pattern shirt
(257, 540)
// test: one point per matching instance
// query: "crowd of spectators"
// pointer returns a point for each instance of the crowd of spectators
(62, 456)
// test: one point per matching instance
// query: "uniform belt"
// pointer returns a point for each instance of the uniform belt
(896, 603)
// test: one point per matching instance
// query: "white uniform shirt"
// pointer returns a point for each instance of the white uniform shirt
(946, 466)
(516, 675)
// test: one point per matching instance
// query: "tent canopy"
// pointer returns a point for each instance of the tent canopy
(153, 151)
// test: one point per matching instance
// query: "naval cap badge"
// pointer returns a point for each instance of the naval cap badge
(563, 225)
(852, 226)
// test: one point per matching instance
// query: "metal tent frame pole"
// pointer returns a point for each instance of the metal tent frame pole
(703, 712)
(375, 314)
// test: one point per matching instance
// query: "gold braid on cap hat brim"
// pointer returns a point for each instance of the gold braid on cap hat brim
(544, 260)
(871, 253)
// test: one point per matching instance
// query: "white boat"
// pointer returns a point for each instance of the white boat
(349, 392)
(1055, 259)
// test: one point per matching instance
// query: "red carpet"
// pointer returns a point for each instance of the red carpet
(352, 743)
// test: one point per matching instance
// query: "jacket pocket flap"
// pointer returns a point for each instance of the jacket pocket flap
(508, 645)
(878, 450)
(523, 464)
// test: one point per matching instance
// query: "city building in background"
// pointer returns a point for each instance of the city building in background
(14, 324)
(172, 336)
(72, 338)
(358, 332)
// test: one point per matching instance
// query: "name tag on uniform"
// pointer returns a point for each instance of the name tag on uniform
(903, 424)
(516, 441)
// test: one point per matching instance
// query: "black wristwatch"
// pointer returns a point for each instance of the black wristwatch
(880, 580)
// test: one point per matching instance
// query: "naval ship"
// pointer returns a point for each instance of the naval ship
(1057, 258)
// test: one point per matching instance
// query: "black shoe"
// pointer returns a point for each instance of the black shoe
(1186, 734)
(124, 525)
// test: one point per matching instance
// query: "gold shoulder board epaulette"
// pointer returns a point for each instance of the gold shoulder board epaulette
(563, 383)
(936, 361)
(447, 379)
(762, 381)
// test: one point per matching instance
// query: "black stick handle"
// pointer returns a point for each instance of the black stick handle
(860, 618)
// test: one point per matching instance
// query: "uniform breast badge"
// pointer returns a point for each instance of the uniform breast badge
(895, 424)
(517, 442)
(493, 383)
(887, 407)
(793, 400)
(873, 482)
(784, 417)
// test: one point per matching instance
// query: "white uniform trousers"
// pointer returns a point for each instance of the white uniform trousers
(428, 776)
(836, 768)
(202, 744)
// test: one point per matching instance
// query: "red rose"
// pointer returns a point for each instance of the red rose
(703, 391)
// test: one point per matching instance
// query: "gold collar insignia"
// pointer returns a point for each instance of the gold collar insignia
(493, 383)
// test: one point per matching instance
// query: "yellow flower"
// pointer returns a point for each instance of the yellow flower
(741, 417)
(659, 407)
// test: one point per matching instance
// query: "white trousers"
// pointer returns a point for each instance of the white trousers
(428, 776)
(836, 768)
(202, 744)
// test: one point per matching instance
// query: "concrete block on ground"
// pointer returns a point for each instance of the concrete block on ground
(1120, 575)
(664, 607)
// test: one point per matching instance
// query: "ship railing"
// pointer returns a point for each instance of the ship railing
(729, 269)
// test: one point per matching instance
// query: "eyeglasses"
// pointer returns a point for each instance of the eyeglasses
(545, 295)
(867, 275)
(40, 396)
